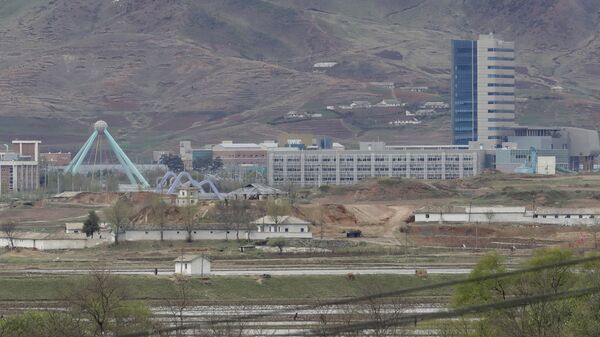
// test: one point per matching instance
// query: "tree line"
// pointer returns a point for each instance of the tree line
(234, 215)
(575, 317)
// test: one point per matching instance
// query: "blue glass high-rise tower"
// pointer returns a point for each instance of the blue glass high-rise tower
(483, 90)
(464, 91)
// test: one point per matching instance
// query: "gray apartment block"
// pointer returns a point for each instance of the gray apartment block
(331, 167)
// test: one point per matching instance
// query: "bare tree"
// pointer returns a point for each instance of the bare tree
(328, 319)
(489, 215)
(217, 327)
(158, 214)
(119, 216)
(378, 311)
(277, 209)
(243, 215)
(100, 303)
(277, 242)
(9, 229)
(179, 303)
(233, 214)
(594, 228)
(98, 298)
(189, 219)
(318, 219)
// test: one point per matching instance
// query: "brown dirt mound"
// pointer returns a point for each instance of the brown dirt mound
(96, 198)
(392, 189)
(143, 218)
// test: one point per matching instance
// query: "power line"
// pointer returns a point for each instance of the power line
(476, 309)
(377, 295)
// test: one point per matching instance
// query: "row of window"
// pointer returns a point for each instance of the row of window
(501, 67)
(500, 76)
(499, 128)
(507, 50)
(506, 85)
(501, 102)
(568, 216)
(497, 111)
(501, 93)
(500, 58)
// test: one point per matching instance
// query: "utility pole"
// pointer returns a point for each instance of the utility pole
(476, 237)
(406, 240)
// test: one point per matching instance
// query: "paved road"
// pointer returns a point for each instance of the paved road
(261, 271)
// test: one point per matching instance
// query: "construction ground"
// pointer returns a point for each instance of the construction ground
(329, 267)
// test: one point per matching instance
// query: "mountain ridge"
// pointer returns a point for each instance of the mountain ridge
(209, 70)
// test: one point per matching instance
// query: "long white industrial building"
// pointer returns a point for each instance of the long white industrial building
(333, 167)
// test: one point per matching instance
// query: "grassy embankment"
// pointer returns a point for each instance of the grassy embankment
(228, 289)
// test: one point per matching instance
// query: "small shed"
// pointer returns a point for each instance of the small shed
(73, 227)
(192, 265)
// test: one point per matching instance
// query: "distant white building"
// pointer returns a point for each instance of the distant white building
(337, 146)
(295, 115)
(557, 89)
(424, 112)
(436, 105)
(387, 103)
(387, 85)
(360, 105)
(324, 65)
(508, 215)
(281, 224)
(192, 265)
(414, 121)
(414, 89)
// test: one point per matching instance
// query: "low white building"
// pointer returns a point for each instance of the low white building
(54, 241)
(192, 265)
(281, 224)
(546, 165)
(321, 65)
(387, 103)
(436, 105)
(73, 227)
(508, 215)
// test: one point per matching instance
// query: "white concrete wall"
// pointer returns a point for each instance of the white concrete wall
(205, 234)
(518, 218)
(282, 228)
(254, 235)
(53, 244)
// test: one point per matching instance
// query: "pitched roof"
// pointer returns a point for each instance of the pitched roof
(282, 220)
(472, 209)
(74, 225)
(574, 211)
(254, 189)
(189, 258)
